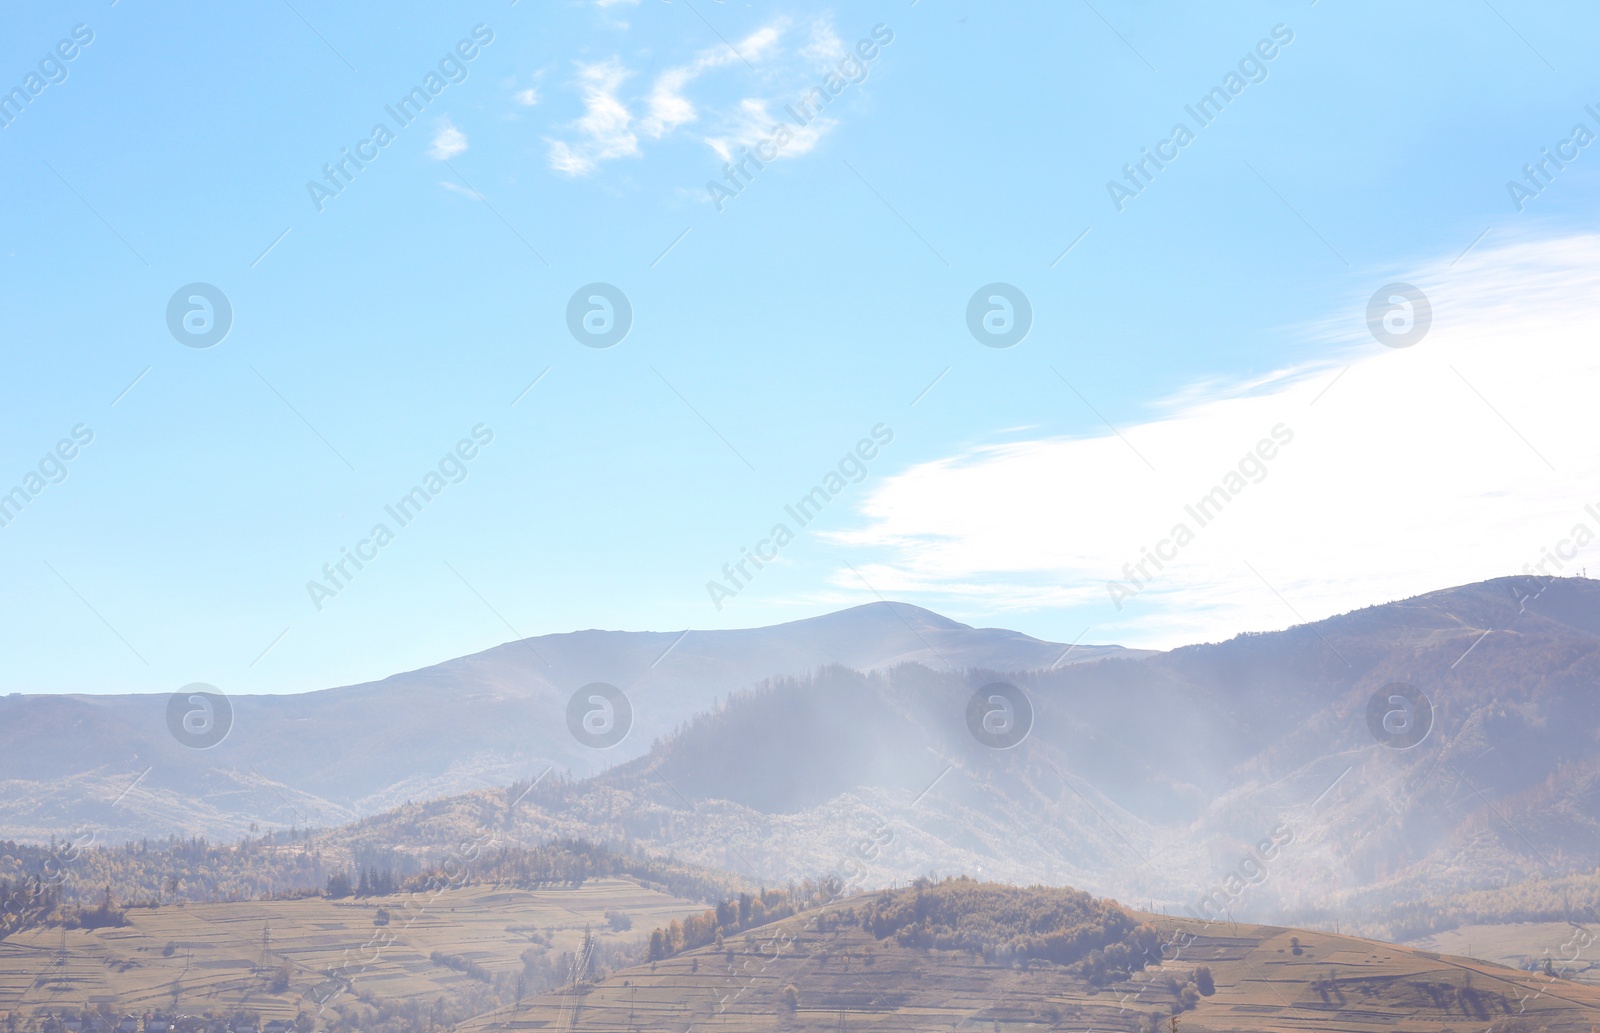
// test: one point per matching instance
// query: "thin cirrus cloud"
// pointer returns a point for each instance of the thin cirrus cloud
(609, 127)
(1457, 459)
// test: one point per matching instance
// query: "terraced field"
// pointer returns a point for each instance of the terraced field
(211, 957)
(846, 980)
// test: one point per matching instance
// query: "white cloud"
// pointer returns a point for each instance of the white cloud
(605, 128)
(459, 189)
(448, 141)
(609, 128)
(1415, 469)
(669, 108)
(751, 124)
(527, 98)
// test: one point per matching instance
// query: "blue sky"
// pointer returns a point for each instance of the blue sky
(768, 337)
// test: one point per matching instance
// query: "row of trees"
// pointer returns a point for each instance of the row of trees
(734, 915)
(369, 883)
(51, 883)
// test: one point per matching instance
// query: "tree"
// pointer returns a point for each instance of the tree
(791, 998)
(1204, 982)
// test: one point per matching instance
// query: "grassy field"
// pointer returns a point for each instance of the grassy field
(845, 980)
(209, 957)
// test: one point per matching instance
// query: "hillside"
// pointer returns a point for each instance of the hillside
(839, 972)
(613, 955)
(449, 954)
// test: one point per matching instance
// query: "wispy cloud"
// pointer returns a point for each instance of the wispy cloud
(669, 108)
(1415, 469)
(605, 130)
(459, 189)
(448, 141)
(613, 125)
(527, 98)
(752, 122)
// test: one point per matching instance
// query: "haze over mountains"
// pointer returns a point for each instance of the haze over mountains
(326, 757)
(1242, 776)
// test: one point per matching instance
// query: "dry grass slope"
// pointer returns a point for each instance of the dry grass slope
(213, 953)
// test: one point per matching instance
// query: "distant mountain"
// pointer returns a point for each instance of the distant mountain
(323, 758)
(1260, 777)
(1242, 778)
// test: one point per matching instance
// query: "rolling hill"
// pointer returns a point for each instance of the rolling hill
(840, 974)
(610, 954)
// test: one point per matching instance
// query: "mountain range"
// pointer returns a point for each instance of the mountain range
(1273, 774)
(322, 758)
